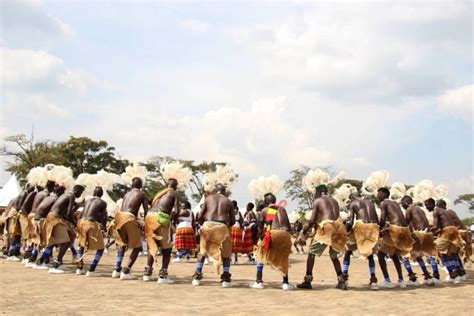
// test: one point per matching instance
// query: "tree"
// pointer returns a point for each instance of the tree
(81, 154)
(295, 191)
(466, 199)
(30, 154)
(84, 155)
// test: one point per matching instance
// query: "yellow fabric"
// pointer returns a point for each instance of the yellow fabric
(24, 226)
(397, 239)
(56, 230)
(215, 242)
(366, 237)
(467, 249)
(32, 236)
(127, 230)
(90, 235)
(449, 241)
(332, 233)
(424, 245)
(279, 253)
(13, 224)
(156, 234)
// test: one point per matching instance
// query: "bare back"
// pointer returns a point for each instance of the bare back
(325, 208)
(28, 204)
(416, 218)
(45, 206)
(456, 220)
(40, 196)
(166, 203)
(281, 221)
(95, 209)
(133, 200)
(219, 208)
(441, 218)
(391, 212)
(62, 207)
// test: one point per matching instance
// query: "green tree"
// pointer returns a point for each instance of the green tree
(295, 191)
(28, 154)
(81, 154)
(467, 200)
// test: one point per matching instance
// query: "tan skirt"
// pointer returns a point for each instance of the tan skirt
(90, 235)
(127, 230)
(363, 237)
(215, 242)
(424, 245)
(333, 234)
(449, 241)
(278, 254)
(397, 239)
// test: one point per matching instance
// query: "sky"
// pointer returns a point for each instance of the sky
(267, 86)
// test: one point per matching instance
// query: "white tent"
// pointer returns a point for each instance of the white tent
(10, 191)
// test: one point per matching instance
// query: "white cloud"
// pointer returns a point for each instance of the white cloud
(195, 25)
(458, 102)
(365, 53)
(26, 24)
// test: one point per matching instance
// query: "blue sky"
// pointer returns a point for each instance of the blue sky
(268, 86)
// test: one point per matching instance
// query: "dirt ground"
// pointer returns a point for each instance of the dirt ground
(27, 291)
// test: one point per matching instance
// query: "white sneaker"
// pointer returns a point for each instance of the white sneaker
(463, 278)
(387, 285)
(188, 260)
(14, 259)
(115, 274)
(226, 284)
(250, 262)
(389, 260)
(165, 281)
(413, 283)
(196, 282)
(457, 280)
(287, 287)
(402, 284)
(374, 286)
(437, 281)
(30, 265)
(177, 260)
(80, 272)
(236, 262)
(206, 261)
(92, 274)
(448, 279)
(146, 278)
(24, 261)
(257, 285)
(429, 282)
(127, 276)
(57, 270)
(40, 267)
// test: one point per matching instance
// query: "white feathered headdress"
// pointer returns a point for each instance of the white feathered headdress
(317, 176)
(61, 175)
(176, 170)
(102, 179)
(376, 180)
(425, 190)
(261, 186)
(223, 175)
(134, 171)
(341, 194)
(398, 191)
(37, 176)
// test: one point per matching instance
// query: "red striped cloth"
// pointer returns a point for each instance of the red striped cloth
(236, 237)
(247, 245)
(185, 239)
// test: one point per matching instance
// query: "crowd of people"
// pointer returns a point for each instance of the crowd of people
(378, 223)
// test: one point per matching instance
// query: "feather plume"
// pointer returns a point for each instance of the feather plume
(341, 194)
(317, 176)
(223, 175)
(261, 186)
(176, 170)
(37, 176)
(376, 180)
(134, 171)
(397, 191)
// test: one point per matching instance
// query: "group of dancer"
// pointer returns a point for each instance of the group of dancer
(55, 209)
